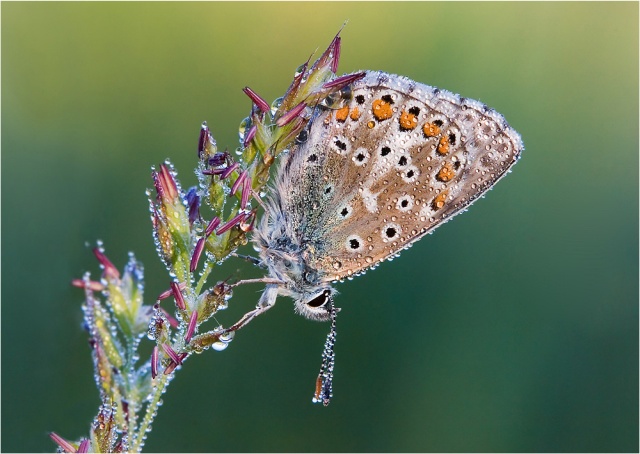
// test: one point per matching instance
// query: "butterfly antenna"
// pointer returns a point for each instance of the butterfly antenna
(324, 382)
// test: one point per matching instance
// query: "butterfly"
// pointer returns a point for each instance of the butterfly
(368, 177)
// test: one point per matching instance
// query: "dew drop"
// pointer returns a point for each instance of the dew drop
(244, 125)
(219, 346)
(276, 105)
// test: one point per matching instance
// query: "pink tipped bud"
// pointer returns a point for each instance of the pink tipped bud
(257, 100)
(64, 444)
(229, 170)
(235, 221)
(171, 353)
(290, 115)
(193, 321)
(154, 362)
(238, 182)
(246, 192)
(251, 133)
(215, 222)
(167, 293)
(109, 268)
(343, 81)
(90, 285)
(177, 294)
(164, 295)
(166, 186)
(328, 56)
(84, 446)
(197, 252)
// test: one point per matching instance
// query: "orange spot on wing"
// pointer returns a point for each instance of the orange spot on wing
(446, 173)
(431, 129)
(438, 201)
(408, 120)
(341, 114)
(371, 124)
(382, 110)
(355, 113)
(443, 145)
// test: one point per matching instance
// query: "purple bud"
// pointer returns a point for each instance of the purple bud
(64, 444)
(246, 192)
(215, 222)
(236, 220)
(193, 202)
(167, 293)
(154, 362)
(84, 446)
(192, 326)
(336, 54)
(177, 294)
(197, 252)
(204, 135)
(91, 285)
(251, 133)
(213, 171)
(109, 268)
(257, 100)
(229, 170)
(290, 115)
(343, 81)
(219, 158)
(238, 182)
(171, 353)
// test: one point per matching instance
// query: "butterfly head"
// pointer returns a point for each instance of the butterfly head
(312, 297)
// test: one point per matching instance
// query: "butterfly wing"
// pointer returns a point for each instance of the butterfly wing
(397, 160)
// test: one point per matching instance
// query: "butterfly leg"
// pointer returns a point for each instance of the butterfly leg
(252, 260)
(266, 302)
(261, 280)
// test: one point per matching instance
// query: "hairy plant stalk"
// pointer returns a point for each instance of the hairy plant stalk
(193, 229)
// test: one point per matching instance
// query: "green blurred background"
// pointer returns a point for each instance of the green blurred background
(513, 328)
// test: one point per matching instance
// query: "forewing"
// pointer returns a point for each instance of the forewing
(397, 160)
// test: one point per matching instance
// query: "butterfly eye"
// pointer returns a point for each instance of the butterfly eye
(319, 300)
